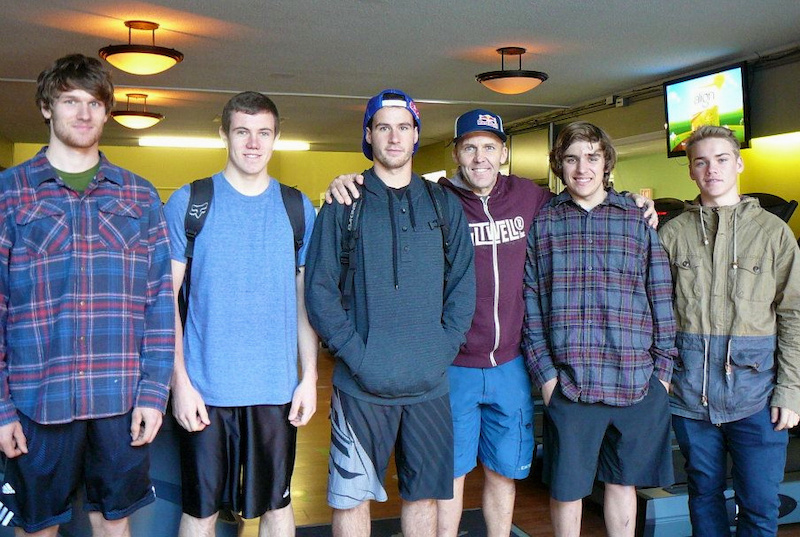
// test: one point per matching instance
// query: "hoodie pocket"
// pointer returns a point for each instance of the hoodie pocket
(405, 361)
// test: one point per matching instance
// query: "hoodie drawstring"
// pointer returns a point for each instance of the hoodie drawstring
(728, 368)
(704, 396)
(703, 227)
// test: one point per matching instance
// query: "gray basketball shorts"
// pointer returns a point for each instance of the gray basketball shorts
(363, 435)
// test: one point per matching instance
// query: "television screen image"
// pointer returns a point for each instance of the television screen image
(716, 97)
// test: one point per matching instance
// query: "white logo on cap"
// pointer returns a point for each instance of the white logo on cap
(487, 120)
(394, 102)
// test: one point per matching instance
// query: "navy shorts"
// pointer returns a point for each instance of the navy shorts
(362, 438)
(618, 445)
(243, 461)
(40, 485)
(492, 418)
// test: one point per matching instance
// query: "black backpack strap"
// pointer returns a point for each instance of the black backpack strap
(348, 257)
(440, 205)
(293, 202)
(201, 194)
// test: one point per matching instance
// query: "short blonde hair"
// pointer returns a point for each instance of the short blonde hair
(712, 131)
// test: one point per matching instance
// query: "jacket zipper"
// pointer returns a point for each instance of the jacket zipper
(496, 275)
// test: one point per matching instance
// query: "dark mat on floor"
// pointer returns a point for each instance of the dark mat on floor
(472, 525)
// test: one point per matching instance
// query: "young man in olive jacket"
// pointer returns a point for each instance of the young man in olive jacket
(736, 385)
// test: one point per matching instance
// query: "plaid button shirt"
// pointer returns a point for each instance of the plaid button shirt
(598, 299)
(86, 317)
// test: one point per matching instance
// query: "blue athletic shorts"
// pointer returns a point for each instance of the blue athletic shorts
(621, 445)
(492, 418)
(362, 438)
(40, 485)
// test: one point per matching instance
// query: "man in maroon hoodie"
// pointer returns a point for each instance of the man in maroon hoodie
(490, 388)
(489, 385)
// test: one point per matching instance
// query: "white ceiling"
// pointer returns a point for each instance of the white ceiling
(320, 60)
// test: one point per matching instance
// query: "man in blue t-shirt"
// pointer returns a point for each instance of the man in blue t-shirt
(236, 391)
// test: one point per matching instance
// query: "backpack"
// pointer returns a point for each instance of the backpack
(352, 230)
(202, 192)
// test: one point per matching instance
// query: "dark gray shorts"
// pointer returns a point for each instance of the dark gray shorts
(618, 445)
(362, 438)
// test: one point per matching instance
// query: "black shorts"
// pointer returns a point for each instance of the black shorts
(40, 485)
(243, 461)
(619, 445)
(362, 438)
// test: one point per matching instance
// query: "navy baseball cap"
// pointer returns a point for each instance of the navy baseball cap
(479, 120)
(388, 97)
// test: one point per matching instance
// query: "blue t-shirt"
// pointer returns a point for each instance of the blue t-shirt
(240, 340)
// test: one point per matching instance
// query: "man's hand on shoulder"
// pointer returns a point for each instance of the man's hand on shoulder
(784, 418)
(344, 189)
(12, 440)
(145, 423)
(649, 206)
(188, 407)
(304, 403)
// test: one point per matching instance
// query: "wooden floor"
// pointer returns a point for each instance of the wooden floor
(531, 512)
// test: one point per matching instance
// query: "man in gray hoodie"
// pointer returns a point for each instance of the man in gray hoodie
(395, 329)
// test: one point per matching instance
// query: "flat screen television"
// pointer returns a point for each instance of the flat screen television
(717, 97)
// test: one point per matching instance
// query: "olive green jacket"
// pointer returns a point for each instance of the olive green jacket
(736, 272)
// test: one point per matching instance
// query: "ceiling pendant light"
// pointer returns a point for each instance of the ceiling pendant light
(141, 59)
(136, 119)
(511, 82)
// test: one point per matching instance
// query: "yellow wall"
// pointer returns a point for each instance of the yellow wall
(435, 157)
(772, 165)
(6, 152)
(312, 171)
(667, 177)
(169, 169)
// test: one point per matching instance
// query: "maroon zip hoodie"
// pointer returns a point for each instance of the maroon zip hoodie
(499, 225)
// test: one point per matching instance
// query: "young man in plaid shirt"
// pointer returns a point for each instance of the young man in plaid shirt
(599, 337)
(86, 318)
